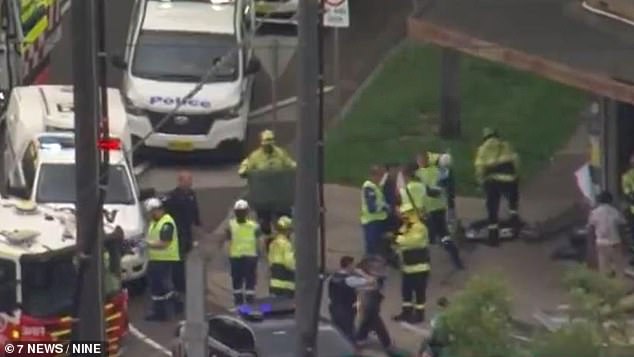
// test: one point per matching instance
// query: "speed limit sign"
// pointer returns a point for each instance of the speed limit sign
(336, 13)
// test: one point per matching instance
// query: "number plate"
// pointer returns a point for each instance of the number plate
(180, 145)
(263, 7)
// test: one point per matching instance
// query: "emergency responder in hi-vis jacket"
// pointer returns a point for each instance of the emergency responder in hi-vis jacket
(413, 192)
(496, 169)
(282, 260)
(413, 246)
(374, 212)
(162, 241)
(268, 157)
(242, 236)
(627, 184)
(436, 205)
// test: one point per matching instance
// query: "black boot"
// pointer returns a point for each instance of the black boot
(494, 237)
(179, 307)
(158, 313)
(249, 299)
(405, 315)
(238, 299)
(418, 316)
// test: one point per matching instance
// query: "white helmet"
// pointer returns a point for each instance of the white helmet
(152, 204)
(241, 205)
(444, 160)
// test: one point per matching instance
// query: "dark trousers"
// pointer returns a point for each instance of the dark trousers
(287, 293)
(373, 234)
(495, 190)
(178, 269)
(159, 273)
(371, 321)
(266, 218)
(343, 318)
(630, 221)
(243, 272)
(439, 231)
(414, 291)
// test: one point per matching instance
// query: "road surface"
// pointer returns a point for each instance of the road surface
(374, 29)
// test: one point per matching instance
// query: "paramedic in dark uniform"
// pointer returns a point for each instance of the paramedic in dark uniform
(343, 296)
(162, 240)
(182, 205)
(371, 296)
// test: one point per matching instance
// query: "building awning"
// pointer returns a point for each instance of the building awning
(555, 39)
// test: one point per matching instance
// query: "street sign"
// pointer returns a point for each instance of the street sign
(336, 13)
(275, 53)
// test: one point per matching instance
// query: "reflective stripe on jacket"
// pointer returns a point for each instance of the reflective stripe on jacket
(380, 212)
(413, 244)
(496, 160)
(282, 263)
(170, 253)
(243, 239)
(627, 184)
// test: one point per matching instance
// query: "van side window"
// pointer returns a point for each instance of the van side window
(28, 166)
(7, 286)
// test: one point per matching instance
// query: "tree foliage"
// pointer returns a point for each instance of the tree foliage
(478, 319)
(597, 324)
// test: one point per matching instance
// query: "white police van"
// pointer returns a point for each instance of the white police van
(170, 47)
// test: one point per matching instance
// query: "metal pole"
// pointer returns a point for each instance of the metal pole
(274, 76)
(90, 326)
(103, 81)
(196, 327)
(306, 203)
(336, 63)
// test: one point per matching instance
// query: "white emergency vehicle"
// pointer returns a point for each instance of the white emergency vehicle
(171, 46)
(44, 172)
(49, 108)
(38, 277)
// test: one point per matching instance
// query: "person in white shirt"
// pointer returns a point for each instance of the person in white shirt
(605, 221)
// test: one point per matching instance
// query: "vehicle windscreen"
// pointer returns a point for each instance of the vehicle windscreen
(48, 285)
(185, 56)
(274, 342)
(56, 184)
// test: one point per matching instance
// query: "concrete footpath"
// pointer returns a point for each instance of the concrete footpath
(534, 279)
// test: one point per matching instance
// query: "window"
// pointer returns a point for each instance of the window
(28, 166)
(7, 286)
(48, 284)
(56, 184)
(184, 56)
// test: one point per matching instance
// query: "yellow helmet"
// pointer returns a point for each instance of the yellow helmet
(284, 222)
(267, 137)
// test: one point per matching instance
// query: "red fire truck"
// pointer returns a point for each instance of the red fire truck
(38, 278)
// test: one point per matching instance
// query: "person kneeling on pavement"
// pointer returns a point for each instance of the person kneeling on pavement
(282, 260)
(412, 244)
(439, 339)
(163, 252)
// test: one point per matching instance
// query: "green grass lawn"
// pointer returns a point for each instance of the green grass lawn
(397, 116)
